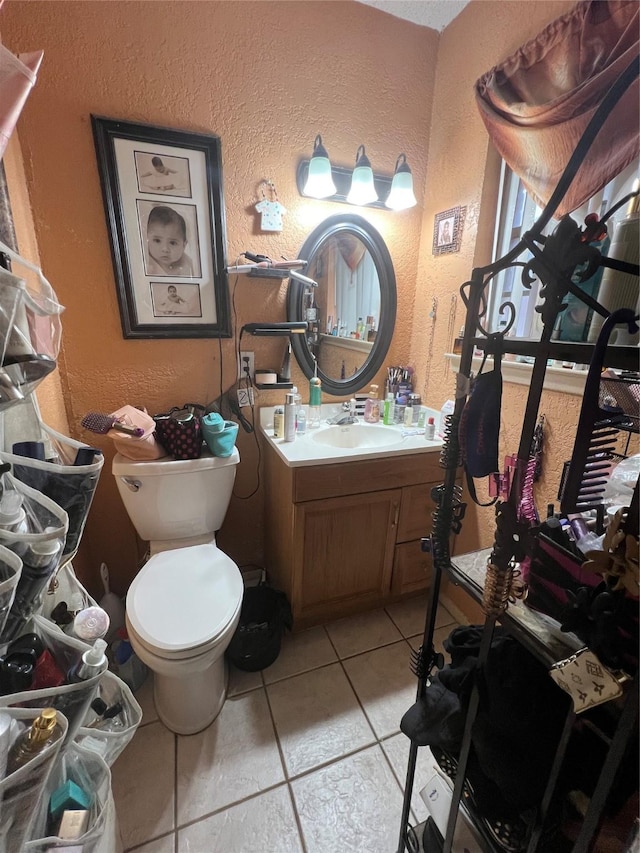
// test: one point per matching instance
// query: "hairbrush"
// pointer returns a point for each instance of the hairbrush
(96, 422)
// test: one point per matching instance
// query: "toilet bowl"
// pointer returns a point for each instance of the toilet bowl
(183, 606)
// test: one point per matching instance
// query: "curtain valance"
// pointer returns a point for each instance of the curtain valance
(537, 103)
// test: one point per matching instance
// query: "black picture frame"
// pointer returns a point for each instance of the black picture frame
(162, 191)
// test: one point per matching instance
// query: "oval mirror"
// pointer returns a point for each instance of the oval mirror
(351, 314)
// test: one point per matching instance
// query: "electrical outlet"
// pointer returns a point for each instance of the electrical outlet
(250, 363)
(245, 397)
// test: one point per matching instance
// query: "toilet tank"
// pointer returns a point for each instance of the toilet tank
(173, 499)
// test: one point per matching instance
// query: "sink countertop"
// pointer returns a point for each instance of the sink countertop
(305, 451)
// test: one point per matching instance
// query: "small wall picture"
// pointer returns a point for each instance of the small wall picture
(447, 230)
(164, 208)
(162, 174)
(176, 299)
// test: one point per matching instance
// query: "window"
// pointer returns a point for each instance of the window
(515, 215)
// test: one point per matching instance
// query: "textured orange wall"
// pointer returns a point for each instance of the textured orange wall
(265, 77)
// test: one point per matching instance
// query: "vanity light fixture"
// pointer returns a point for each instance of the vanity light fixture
(359, 186)
(401, 196)
(362, 190)
(319, 180)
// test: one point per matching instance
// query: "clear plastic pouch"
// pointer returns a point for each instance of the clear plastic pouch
(17, 77)
(10, 572)
(58, 476)
(73, 700)
(20, 792)
(92, 774)
(111, 740)
(30, 331)
(40, 549)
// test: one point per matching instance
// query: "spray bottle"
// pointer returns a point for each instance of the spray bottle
(93, 662)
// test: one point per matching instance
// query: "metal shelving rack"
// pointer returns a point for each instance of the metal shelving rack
(547, 263)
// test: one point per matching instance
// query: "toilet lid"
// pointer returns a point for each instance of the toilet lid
(184, 598)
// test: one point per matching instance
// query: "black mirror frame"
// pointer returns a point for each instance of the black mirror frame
(357, 225)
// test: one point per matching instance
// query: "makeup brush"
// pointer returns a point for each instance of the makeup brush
(96, 422)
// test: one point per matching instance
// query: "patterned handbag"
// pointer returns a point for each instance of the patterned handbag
(179, 431)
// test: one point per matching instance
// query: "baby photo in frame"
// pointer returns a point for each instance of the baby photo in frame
(163, 175)
(175, 299)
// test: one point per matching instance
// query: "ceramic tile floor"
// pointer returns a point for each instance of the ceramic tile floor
(305, 757)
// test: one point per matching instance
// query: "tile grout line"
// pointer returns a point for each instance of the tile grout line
(294, 807)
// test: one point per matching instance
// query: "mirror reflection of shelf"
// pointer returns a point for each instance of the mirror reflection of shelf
(346, 343)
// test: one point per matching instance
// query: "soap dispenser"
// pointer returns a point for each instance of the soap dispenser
(372, 406)
(315, 400)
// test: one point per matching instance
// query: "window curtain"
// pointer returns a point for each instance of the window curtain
(537, 103)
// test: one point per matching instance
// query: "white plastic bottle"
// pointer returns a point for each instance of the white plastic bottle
(430, 429)
(290, 417)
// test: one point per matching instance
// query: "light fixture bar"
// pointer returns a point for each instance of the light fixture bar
(342, 180)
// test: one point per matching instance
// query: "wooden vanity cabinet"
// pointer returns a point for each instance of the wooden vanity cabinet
(345, 537)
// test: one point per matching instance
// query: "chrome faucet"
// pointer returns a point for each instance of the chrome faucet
(346, 416)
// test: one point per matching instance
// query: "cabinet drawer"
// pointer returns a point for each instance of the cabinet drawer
(411, 568)
(352, 478)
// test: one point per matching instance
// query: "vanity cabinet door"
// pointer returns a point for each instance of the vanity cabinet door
(347, 547)
(411, 565)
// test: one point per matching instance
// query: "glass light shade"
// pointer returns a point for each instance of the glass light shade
(362, 190)
(401, 194)
(319, 182)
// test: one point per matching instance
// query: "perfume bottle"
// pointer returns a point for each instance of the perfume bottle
(457, 343)
(43, 731)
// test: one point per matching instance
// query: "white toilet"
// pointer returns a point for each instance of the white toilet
(183, 606)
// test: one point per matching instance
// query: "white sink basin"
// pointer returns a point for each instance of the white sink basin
(357, 435)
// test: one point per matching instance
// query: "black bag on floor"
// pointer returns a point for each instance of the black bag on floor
(265, 615)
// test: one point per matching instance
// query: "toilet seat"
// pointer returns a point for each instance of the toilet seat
(182, 601)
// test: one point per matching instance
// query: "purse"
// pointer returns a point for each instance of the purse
(179, 431)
